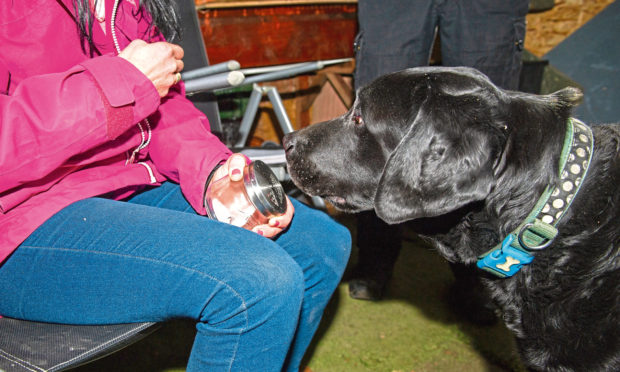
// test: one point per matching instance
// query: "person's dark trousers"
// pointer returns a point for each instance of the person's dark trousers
(398, 34)
(378, 247)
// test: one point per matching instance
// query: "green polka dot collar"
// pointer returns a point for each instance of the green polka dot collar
(538, 230)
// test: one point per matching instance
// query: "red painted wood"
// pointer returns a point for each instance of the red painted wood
(268, 35)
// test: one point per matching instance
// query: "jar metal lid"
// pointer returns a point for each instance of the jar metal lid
(264, 190)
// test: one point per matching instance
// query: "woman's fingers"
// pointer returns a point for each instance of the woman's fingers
(235, 165)
(159, 61)
(276, 224)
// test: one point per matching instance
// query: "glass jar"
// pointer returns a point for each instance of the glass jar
(251, 201)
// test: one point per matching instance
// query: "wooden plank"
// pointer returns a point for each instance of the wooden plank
(262, 36)
(344, 90)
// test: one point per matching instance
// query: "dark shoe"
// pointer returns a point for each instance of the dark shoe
(366, 289)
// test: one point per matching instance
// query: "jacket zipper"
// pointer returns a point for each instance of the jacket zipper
(145, 139)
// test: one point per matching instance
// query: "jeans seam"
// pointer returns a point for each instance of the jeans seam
(165, 197)
(244, 305)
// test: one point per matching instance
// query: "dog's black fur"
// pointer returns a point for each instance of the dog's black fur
(446, 146)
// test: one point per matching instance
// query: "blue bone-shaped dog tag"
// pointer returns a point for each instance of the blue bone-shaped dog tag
(505, 261)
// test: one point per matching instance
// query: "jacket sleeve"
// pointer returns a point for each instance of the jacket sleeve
(49, 118)
(183, 147)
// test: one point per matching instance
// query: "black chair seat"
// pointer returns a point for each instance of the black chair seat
(32, 346)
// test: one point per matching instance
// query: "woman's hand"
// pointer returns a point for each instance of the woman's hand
(233, 168)
(160, 62)
(277, 224)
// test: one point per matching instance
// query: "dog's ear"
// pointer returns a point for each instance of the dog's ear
(569, 96)
(443, 162)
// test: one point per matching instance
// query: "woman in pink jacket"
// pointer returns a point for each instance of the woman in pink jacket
(103, 169)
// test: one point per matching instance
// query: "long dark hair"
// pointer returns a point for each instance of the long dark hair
(164, 14)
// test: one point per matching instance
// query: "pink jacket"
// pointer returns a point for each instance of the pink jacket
(68, 121)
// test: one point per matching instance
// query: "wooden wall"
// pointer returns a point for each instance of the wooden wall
(547, 29)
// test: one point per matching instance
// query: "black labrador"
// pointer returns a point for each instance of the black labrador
(502, 179)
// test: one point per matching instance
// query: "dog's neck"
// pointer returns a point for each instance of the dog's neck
(538, 230)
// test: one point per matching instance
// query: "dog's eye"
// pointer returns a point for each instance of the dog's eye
(357, 119)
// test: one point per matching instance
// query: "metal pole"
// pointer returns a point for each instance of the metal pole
(212, 82)
(278, 108)
(265, 69)
(283, 74)
(249, 115)
(231, 65)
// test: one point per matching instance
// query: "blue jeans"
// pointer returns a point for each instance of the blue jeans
(257, 302)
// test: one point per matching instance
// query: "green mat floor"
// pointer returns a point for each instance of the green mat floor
(412, 329)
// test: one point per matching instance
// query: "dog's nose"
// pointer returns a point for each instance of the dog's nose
(288, 142)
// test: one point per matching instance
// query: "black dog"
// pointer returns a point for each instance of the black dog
(484, 168)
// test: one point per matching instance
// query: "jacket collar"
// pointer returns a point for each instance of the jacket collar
(103, 41)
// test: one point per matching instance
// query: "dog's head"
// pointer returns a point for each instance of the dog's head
(416, 143)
